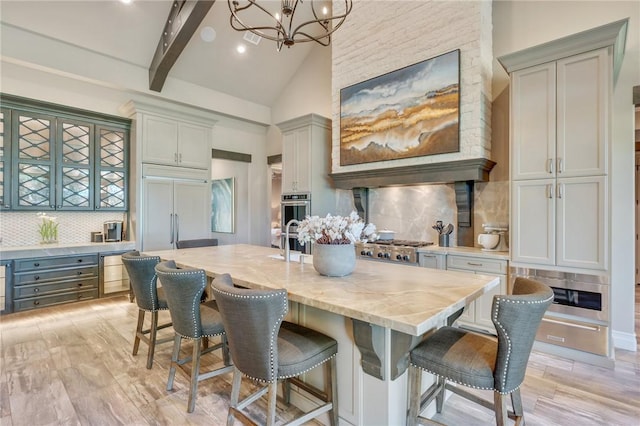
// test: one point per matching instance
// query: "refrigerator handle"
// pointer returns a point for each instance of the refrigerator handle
(171, 228)
(177, 228)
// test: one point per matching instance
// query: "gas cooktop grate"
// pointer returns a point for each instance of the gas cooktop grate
(405, 243)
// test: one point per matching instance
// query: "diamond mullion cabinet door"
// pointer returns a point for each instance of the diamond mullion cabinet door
(74, 172)
(33, 161)
(582, 111)
(5, 159)
(533, 212)
(111, 168)
(582, 230)
(533, 122)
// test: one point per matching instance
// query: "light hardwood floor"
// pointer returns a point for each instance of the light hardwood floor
(73, 365)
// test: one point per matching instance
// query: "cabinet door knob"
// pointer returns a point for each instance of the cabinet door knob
(36, 290)
(36, 302)
(37, 277)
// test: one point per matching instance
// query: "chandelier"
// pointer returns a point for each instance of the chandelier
(288, 21)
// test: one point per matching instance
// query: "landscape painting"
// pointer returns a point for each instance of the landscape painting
(410, 112)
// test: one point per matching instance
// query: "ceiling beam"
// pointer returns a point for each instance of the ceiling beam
(183, 21)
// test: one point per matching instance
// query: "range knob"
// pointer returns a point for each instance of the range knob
(369, 253)
(405, 258)
(399, 256)
(380, 255)
(363, 253)
(387, 256)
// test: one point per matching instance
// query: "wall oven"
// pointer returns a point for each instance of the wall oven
(579, 316)
(294, 206)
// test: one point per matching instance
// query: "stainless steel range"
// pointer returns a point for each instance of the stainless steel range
(400, 251)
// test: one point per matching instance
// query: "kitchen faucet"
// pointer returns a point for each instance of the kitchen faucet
(287, 250)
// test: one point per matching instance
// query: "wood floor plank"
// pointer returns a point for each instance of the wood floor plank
(72, 364)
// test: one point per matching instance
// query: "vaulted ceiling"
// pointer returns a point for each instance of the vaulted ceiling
(131, 33)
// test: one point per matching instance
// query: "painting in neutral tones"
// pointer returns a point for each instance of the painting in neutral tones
(222, 205)
(410, 112)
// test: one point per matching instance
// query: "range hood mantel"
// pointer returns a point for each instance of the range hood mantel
(447, 172)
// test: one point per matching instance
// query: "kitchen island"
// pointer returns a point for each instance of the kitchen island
(377, 314)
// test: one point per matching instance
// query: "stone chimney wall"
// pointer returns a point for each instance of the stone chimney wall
(382, 36)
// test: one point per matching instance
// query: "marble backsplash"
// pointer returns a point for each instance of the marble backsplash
(411, 211)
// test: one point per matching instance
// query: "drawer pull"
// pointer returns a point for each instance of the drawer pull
(36, 302)
(36, 264)
(79, 260)
(555, 338)
(79, 272)
(36, 290)
(79, 284)
(570, 324)
(36, 277)
(474, 264)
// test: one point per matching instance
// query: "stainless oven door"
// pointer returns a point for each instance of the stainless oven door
(294, 206)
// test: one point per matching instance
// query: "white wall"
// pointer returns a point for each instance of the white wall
(521, 24)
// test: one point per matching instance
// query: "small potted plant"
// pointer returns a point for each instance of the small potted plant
(333, 238)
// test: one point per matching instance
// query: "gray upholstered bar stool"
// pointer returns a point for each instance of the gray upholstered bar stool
(149, 297)
(192, 320)
(267, 349)
(479, 361)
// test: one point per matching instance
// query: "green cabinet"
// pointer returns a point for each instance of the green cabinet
(59, 158)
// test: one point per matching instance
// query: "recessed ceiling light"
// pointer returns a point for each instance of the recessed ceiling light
(241, 48)
(126, 1)
(208, 34)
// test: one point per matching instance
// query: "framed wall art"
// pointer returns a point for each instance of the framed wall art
(410, 112)
(222, 205)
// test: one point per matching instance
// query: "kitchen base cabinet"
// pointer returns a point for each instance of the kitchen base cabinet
(5, 272)
(48, 281)
(478, 314)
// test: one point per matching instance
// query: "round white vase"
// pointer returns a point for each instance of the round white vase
(334, 260)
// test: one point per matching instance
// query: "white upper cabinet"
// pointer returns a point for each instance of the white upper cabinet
(174, 142)
(296, 161)
(582, 110)
(533, 122)
(559, 117)
(560, 130)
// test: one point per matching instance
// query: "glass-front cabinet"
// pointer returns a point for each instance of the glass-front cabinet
(58, 158)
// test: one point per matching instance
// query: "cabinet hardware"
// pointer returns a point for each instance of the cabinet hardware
(555, 338)
(79, 273)
(177, 228)
(175, 157)
(37, 277)
(549, 191)
(170, 228)
(79, 260)
(550, 166)
(36, 290)
(180, 158)
(571, 324)
(36, 264)
(36, 302)
(474, 264)
(559, 165)
(559, 190)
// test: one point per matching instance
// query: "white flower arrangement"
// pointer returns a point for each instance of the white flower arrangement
(335, 230)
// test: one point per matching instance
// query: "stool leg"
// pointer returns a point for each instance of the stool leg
(195, 372)
(500, 405)
(136, 341)
(442, 382)
(177, 340)
(415, 383)
(235, 394)
(271, 404)
(516, 401)
(333, 392)
(152, 338)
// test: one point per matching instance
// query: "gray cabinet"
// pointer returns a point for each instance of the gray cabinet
(48, 281)
(59, 158)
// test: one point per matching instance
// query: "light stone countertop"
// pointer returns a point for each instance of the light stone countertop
(405, 298)
(43, 250)
(468, 251)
